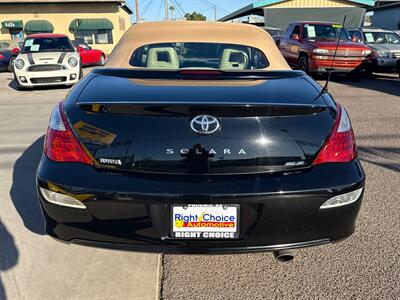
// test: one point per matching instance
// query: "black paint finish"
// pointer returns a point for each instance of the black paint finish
(134, 209)
(272, 127)
(265, 125)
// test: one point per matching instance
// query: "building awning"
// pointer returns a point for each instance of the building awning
(126, 7)
(282, 17)
(38, 26)
(90, 24)
(251, 9)
(12, 24)
(385, 6)
(256, 8)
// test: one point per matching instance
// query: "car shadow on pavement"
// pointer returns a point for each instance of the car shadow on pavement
(23, 190)
(379, 83)
(385, 157)
(13, 86)
(8, 255)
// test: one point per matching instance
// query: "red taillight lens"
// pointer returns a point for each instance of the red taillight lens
(60, 143)
(341, 145)
(1, 56)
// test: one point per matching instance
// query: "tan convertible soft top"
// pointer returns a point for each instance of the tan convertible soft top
(191, 31)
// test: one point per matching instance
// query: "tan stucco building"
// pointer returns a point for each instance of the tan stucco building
(279, 13)
(101, 23)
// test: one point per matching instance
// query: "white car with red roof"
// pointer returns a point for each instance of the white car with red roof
(47, 59)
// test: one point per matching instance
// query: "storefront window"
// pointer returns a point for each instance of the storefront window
(14, 27)
(17, 34)
(84, 36)
(4, 45)
(95, 36)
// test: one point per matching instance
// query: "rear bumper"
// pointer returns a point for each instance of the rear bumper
(208, 249)
(277, 211)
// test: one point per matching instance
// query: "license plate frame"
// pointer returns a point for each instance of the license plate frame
(221, 228)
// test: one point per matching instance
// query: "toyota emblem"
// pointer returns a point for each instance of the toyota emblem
(205, 124)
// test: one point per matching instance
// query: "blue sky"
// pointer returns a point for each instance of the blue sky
(153, 10)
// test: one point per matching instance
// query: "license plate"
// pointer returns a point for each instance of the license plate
(197, 221)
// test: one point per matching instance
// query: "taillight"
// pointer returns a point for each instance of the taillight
(341, 144)
(1, 56)
(60, 143)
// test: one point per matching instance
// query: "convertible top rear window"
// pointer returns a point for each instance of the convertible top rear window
(211, 56)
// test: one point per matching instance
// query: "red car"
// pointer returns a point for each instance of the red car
(310, 46)
(89, 56)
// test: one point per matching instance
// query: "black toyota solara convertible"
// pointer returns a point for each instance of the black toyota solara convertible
(199, 143)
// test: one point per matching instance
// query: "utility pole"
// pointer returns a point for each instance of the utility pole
(166, 10)
(137, 12)
(172, 9)
(215, 13)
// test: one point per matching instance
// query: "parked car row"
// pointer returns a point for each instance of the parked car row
(9, 50)
(314, 47)
(47, 59)
(311, 47)
(385, 45)
(89, 56)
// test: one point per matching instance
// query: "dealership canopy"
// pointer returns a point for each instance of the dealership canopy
(38, 26)
(12, 24)
(90, 24)
(280, 13)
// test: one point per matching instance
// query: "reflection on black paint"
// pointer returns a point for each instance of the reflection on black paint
(197, 159)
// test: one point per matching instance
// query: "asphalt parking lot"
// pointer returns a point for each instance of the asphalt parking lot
(365, 266)
(32, 265)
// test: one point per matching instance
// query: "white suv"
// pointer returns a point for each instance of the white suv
(47, 59)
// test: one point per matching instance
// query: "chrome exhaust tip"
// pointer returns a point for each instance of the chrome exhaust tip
(283, 255)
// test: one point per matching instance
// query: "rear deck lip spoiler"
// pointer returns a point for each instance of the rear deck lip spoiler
(222, 109)
(209, 103)
(180, 74)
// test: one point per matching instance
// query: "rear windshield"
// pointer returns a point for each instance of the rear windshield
(213, 56)
(43, 44)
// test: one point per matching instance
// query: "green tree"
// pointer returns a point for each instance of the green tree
(194, 16)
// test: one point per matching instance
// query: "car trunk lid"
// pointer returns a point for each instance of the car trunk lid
(147, 125)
